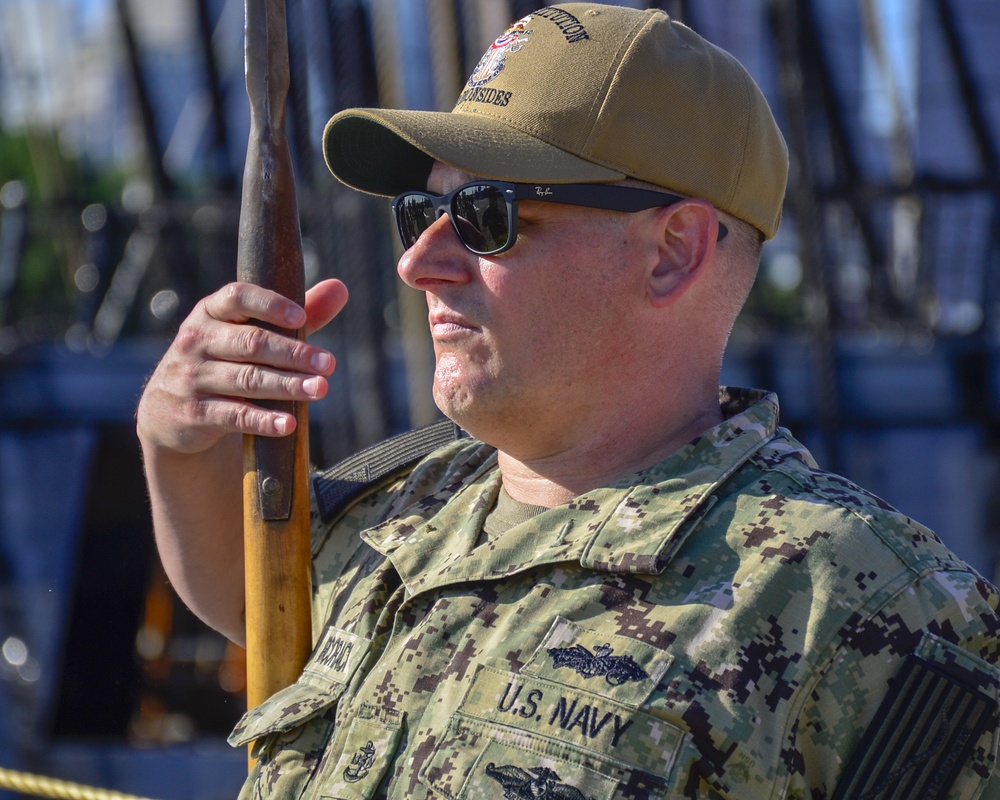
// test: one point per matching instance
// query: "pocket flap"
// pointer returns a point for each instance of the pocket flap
(623, 669)
(282, 711)
(325, 676)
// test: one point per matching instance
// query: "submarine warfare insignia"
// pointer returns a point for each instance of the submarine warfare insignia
(361, 764)
(540, 783)
(615, 669)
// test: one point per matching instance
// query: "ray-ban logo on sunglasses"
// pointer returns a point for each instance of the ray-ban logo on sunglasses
(543, 191)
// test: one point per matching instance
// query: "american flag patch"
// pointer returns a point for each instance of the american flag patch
(923, 733)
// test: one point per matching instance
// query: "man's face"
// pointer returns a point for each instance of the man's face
(528, 343)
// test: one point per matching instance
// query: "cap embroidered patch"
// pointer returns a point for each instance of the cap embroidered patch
(494, 59)
(571, 27)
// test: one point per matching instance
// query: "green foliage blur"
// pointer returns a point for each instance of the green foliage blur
(44, 190)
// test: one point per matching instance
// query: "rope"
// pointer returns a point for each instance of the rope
(41, 786)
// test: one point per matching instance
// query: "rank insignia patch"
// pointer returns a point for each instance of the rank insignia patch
(540, 783)
(361, 763)
(615, 669)
(923, 733)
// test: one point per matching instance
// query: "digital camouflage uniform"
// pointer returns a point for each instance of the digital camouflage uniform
(722, 625)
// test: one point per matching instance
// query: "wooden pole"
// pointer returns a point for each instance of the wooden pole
(275, 470)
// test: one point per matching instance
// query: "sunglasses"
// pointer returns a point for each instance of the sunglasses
(484, 213)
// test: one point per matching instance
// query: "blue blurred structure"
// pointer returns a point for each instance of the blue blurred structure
(75, 558)
(875, 316)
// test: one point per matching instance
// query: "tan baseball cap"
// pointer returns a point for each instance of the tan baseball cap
(586, 93)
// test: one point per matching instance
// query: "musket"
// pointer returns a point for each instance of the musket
(275, 470)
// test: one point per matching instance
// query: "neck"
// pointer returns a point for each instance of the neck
(601, 455)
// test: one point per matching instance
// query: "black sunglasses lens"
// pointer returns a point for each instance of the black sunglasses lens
(480, 214)
(478, 211)
(414, 215)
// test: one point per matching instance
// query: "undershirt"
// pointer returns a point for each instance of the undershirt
(506, 513)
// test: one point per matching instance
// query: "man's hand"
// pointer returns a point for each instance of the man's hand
(197, 404)
(205, 385)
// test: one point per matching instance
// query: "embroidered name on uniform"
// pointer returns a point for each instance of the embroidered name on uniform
(335, 658)
(570, 26)
(615, 669)
(335, 654)
(539, 783)
(569, 714)
(361, 763)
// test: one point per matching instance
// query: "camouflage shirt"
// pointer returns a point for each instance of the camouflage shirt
(723, 624)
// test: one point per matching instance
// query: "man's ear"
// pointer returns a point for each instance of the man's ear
(686, 237)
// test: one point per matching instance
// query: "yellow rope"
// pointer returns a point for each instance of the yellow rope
(40, 786)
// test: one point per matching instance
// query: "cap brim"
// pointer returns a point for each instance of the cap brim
(387, 151)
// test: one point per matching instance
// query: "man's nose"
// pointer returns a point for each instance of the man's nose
(438, 256)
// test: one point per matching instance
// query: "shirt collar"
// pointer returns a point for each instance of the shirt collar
(649, 524)
(634, 525)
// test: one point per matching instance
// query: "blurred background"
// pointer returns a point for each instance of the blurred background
(123, 130)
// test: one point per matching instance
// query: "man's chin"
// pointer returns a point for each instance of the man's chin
(454, 400)
(466, 408)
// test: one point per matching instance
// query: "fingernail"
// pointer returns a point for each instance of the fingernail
(295, 316)
(281, 425)
(321, 362)
(311, 386)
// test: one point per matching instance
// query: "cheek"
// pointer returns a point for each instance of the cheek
(565, 287)
(561, 330)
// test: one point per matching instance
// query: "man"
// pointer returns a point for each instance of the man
(627, 583)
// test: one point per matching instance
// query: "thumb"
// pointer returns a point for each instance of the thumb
(323, 302)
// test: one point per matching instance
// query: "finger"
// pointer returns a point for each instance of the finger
(193, 424)
(242, 302)
(207, 341)
(189, 410)
(323, 302)
(223, 415)
(254, 382)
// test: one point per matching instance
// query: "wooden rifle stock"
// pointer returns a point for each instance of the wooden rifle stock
(275, 470)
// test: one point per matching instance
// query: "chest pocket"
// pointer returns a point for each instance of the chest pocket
(624, 670)
(536, 735)
(366, 754)
(291, 729)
